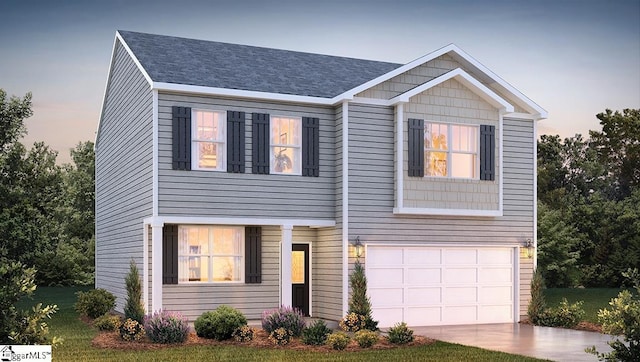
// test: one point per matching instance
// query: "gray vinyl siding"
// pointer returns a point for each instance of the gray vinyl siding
(371, 191)
(211, 193)
(123, 174)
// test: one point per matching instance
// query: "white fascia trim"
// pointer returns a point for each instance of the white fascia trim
(135, 59)
(154, 157)
(453, 244)
(535, 195)
(226, 92)
(446, 212)
(345, 206)
(467, 80)
(400, 156)
(198, 220)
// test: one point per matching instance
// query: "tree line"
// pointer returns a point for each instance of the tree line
(46, 209)
(589, 203)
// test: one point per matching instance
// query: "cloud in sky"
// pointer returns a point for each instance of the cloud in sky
(574, 58)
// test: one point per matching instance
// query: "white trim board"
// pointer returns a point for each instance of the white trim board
(198, 220)
(445, 212)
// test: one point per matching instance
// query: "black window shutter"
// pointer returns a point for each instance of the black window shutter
(416, 147)
(260, 143)
(253, 255)
(487, 152)
(181, 138)
(310, 146)
(170, 254)
(235, 142)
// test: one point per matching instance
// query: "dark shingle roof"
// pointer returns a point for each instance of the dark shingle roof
(221, 65)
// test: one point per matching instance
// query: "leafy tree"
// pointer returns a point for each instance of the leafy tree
(13, 112)
(359, 303)
(133, 308)
(21, 326)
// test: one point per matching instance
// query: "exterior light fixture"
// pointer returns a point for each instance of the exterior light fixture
(528, 244)
(358, 246)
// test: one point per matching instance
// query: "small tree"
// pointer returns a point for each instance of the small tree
(537, 304)
(133, 308)
(360, 302)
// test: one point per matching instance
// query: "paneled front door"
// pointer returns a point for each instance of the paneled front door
(300, 277)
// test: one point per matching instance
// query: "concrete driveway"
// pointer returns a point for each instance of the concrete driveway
(555, 344)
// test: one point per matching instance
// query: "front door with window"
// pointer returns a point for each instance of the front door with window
(300, 277)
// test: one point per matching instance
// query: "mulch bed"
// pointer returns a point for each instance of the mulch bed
(112, 340)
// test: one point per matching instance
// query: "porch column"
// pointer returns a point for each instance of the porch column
(285, 268)
(156, 267)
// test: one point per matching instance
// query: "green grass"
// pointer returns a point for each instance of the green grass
(594, 299)
(77, 344)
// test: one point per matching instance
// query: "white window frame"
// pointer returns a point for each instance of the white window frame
(211, 255)
(221, 143)
(297, 168)
(449, 151)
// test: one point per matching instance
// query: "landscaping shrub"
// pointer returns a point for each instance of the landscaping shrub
(537, 304)
(400, 334)
(107, 322)
(133, 308)
(359, 303)
(565, 315)
(316, 334)
(338, 340)
(94, 303)
(352, 322)
(366, 338)
(131, 330)
(623, 318)
(220, 323)
(280, 336)
(166, 327)
(243, 334)
(288, 318)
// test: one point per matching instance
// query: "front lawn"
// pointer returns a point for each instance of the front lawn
(77, 344)
(594, 299)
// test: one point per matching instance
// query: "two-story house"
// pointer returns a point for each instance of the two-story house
(255, 177)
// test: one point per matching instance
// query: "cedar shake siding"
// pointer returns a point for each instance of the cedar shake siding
(249, 194)
(123, 174)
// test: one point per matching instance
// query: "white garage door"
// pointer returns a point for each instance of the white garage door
(424, 285)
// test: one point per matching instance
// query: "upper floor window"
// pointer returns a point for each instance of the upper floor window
(208, 142)
(451, 150)
(210, 253)
(286, 149)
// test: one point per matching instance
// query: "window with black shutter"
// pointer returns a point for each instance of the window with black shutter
(487, 152)
(235, 141)
(310, 146)
(416, 148)
(260, 143)
(170, 254)
(181, 129)
(253, 255)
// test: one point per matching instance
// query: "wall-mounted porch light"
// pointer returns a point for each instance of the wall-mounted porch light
(358, 247)
(528, 244)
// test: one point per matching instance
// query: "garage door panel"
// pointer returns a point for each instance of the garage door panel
(386, 297)
(422, 256)
(496, 275)
(423, 316)
(495, 256)
(387, 317)
(492, 295)
(424, 276)
(460, 315)
(385, 256)
(460, 256)
(495, 313)
(460, 295)
(389, 277)
(460, 275)
(424, 296)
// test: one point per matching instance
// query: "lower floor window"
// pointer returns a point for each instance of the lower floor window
(210, 254)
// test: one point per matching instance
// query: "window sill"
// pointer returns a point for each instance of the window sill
(446, 212)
